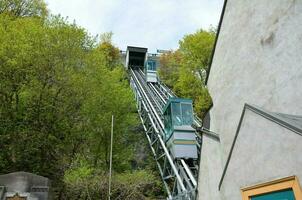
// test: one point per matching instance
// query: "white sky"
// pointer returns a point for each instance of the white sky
(155, 24)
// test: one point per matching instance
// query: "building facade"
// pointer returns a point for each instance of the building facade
(255, 81)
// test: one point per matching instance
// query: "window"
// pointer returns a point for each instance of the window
(187, 113)
(282, 189)
(279, 195)
(151, 65)
(176, 114)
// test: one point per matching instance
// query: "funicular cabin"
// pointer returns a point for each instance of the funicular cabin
(151, 68)
(179, 134)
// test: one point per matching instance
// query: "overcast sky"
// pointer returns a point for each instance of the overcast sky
(155, 24)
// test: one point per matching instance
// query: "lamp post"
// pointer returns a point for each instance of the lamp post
(110, 165)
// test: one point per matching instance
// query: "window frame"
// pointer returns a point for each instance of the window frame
(168, 122)
(290, 182)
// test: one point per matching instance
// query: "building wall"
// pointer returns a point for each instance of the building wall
(210, 169)
(264, 151)
(258, 60)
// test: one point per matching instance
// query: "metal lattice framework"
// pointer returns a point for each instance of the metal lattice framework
(179, 176)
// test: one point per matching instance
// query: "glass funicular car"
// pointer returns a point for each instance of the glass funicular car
(151, 69)
(179, 134)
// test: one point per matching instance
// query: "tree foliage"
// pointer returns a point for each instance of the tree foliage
(23, 8)
(196, 49)
(184, 70)
(58, 91)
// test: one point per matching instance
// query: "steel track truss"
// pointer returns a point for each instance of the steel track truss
(177, 177)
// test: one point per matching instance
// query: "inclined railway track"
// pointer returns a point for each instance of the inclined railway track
(179, 176)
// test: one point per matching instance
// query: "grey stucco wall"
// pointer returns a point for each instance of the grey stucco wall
(210, 169)
(264, 151)
(257, 61)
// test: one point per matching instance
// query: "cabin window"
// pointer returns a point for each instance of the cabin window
(282, 189)
(182, 114)
(151, 65)
(187, 113)
(176, 114)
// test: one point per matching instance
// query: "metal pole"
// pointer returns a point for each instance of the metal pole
(110, 165)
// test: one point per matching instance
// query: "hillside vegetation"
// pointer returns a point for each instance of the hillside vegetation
(184, 70)
(59, 88)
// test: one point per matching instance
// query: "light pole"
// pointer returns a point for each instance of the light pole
(110, 165)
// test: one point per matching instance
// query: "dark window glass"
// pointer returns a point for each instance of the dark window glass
(151, 65)
(279, 195)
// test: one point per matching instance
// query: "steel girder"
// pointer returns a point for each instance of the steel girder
(176, 176)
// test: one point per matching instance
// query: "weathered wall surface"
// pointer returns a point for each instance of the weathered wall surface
(210, 169)
(28, 185)
(264, 151)
(258, 60)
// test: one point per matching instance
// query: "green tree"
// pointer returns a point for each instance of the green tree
(23, 8)
(196, 49)
(38, 64)
(59, 88)
(169, 67)
(184, 70)
(110, 52)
